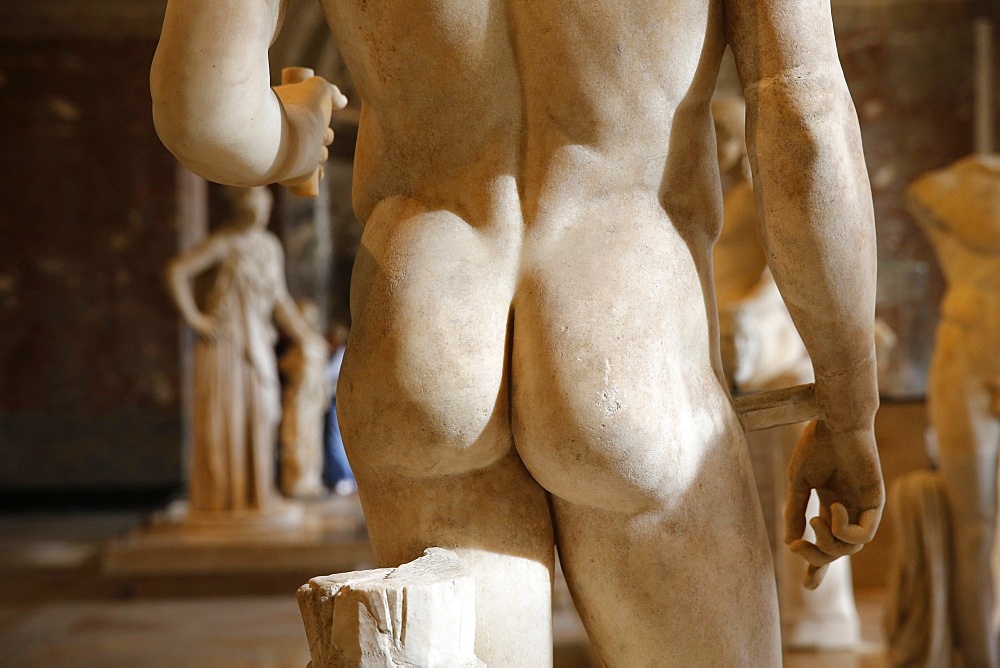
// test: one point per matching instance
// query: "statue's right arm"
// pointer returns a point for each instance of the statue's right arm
(817, 224)
(213, 105)
(180, 274)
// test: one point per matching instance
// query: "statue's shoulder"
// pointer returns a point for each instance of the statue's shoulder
(215, 244)
(964, 200)
(270, 239)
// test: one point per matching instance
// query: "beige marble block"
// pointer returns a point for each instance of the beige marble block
(419, 614)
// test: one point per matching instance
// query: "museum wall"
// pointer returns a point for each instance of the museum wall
(89, 352)
(92, 206)
(911, 74)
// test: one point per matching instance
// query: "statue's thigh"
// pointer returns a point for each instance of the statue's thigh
(668, 588)
(967, 434)
(423, 404)
(620, 414)
(959, 402)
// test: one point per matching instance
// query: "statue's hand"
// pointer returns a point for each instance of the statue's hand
(844, 470)
(315, 345)
(308, 107)
(207, 327)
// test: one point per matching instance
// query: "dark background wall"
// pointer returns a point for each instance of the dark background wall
(910, 68)
(89, 353)
(92, 206)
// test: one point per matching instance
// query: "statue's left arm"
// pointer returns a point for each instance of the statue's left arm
(817, 224)
(213, 105)
(286, 314)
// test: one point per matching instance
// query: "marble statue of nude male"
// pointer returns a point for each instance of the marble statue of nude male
(534, 353)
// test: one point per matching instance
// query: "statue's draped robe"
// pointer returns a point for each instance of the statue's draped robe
(236, 385)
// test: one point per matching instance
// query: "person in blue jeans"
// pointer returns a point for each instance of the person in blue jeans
(337, 473)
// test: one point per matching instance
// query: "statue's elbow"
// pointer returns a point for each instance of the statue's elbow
(170, 127)
(210, 145)
(171, 118)
(203, 154)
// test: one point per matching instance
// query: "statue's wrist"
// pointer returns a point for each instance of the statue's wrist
(848, 396)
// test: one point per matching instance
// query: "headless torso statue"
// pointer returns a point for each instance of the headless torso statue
(959, 210)
(533, 358)
(303, 403)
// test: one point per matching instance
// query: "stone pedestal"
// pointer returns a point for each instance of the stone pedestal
(419, 614)
(308, 537)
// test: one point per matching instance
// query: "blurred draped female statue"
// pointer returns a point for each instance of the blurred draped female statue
(304, 400)
(237, 393)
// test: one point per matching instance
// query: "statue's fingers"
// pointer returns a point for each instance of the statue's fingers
(827, 542)
(328, 137)
(324, 154)
(813, 576)
(339, 99)
(796, 503)
(859, 533)
(808, 551)
(825, 512)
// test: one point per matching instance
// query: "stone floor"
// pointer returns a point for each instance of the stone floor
(59, 609)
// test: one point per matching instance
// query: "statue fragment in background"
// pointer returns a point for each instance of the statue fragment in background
(958, 208)
(761, 350)
(305, 398)
(237, 393)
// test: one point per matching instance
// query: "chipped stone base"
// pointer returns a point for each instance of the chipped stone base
(419, 614)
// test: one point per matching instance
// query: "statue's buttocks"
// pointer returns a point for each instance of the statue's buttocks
(508, 188)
